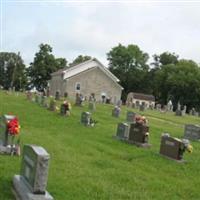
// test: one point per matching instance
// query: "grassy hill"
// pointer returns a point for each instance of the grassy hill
(87, 164)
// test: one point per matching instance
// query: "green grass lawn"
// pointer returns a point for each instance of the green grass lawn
(87, 164)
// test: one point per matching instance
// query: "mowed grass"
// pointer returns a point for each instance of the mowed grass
(88, 164)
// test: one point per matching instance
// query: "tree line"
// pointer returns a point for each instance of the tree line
(167, 77)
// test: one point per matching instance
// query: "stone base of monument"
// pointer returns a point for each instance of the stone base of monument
(23, 192)
(119, 138)
(178, 161)
(8, 150)
(138, 144)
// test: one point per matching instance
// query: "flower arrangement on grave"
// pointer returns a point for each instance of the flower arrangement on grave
(187, 146)
(13, 127)
(141, 120)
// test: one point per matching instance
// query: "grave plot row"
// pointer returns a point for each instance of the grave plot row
(136, 131)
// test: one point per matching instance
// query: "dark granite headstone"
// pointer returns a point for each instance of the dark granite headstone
(139, 133)
(64, 109)
(173, 147)
(65, 94)
(57, 96)
(78, 101)
(142, 108)
(178, 113)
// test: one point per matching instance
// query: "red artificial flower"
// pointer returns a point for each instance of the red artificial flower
(13, 126)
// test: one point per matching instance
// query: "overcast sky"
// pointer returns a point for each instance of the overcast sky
(94, 28)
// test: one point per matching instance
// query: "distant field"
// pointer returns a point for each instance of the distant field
(87, 164)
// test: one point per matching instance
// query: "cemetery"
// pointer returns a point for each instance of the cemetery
(70, 161)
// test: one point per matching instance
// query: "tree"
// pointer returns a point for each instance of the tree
(80, 59)
(165, 58)
(180, 82)
(43, 65)
(129, 64)
(12, 71)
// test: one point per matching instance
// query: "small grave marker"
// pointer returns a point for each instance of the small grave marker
(116, 111)
(192, 132)
(123, 131)
(130, 116)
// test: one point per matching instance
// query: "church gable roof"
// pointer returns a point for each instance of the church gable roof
(89, 64)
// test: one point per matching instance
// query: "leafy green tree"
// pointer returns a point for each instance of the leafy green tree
(129, 64)
(180, 82)
(165, 58)
(12, 71)
(80, 59)
(43, 65)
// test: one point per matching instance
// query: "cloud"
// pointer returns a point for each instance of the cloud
(93, 29)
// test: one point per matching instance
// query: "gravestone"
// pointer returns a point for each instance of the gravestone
(142, 108)
(139, 133)
(78, 101)
(151, 107)
(184, 110)
(133, 105)
(64, 109)
(57, 96)
(192, 132)
(119, 103)
(36, 98)
(7, 145)
(130, 116)
(169, 106)
(29, 96)
(116, 111)
(173, 147)
(85, 118)
(52, 105)
(92, 106)
(123, 131)
(193, 111)
(32, 181)
(39, 99)
(44, 101)
(137, 104)
(65, 94)
(158, 106)
(3, 129)
(178, 110)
